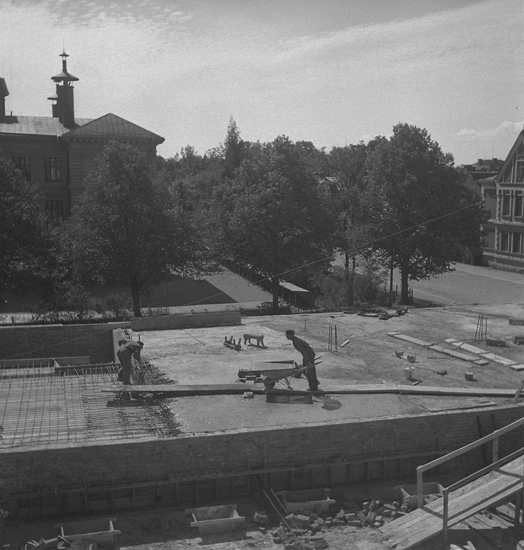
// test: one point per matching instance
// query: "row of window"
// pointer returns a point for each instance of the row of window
(507, 201)
(511, 242)
(52, 168)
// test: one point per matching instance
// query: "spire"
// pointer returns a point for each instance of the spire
(63, 100)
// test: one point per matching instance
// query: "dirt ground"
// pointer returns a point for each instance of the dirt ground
(198, 356)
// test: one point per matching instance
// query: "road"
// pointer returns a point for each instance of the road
(472, 285)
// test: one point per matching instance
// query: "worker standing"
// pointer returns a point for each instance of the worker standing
(308, 358)
(126, 350)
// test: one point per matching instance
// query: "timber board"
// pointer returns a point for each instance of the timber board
(240, 388)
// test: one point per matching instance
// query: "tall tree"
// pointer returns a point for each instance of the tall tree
(346, 183)
(422, 211)
(233, 149)
(129, 229)
(271, 216)
(23, 232)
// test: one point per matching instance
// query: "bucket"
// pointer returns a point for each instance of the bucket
(408, 372)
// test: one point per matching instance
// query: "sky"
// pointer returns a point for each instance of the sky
(333, 72)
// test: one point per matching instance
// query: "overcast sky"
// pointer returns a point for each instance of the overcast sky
(333, 72)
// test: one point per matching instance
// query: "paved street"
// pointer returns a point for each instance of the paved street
(470, 284)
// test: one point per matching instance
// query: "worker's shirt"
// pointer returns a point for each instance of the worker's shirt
(130, 347)
(304, 349)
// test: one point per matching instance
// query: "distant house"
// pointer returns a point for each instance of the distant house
(503, 194)
(59, 151)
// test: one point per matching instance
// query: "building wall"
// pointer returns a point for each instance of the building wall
(34, 341)
(209, 456)
(37, 149)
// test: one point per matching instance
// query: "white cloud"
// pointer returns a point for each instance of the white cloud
(505, 131)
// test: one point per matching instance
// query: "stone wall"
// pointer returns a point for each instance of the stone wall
(192, 457)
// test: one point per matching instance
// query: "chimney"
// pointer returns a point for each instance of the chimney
(4, 92)
(64, 99)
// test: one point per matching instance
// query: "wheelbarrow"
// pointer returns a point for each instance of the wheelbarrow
(273, 372)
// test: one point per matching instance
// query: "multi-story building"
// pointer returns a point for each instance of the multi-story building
(59, 151)
(504, 196)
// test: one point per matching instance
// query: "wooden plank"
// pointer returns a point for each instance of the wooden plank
(489, 490)
(239, 388)
(409, 339)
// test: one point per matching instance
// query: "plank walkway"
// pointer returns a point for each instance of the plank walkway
(489, 490)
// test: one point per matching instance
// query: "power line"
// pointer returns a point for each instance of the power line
(354, 249)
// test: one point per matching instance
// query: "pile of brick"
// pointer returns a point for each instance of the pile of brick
(60, 543)
(303, 531)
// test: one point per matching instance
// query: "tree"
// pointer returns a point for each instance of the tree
(23, 231)
(270, 217)
(419, 205)
(129, 229)
(233, 149)
(346, 182)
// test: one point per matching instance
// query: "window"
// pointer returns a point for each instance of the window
(504, 241)
(53, 169)
(520, 170)
(517, 243)
(55, 212)
(505, 203)
(517, 210)
(24, 165)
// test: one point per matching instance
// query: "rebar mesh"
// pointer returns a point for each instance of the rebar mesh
(41, 405)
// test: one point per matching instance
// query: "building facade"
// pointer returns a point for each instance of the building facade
(504, 196)
(59, 151)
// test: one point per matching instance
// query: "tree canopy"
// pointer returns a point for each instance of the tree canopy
(23, 231)
(130, 229)
(422, 212)
(271, 216)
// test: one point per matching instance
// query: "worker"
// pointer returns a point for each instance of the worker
(308, 358)
(126, 350)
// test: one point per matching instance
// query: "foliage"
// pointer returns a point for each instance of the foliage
(335, 291)
(233, 149)
(129, 229)
(271, 216)
(24, 239)
(419, 206)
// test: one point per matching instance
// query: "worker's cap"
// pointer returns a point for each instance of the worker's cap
(290, 331)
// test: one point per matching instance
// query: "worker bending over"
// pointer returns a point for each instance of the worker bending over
(308, 358)
(126, 350)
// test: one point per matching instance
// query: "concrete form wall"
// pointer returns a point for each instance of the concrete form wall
(186, 458)
(95, 341)
(164, 322)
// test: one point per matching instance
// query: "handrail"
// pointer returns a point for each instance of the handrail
(469, 447)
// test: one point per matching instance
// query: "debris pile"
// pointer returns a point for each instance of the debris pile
(303, 530)
(60, 543)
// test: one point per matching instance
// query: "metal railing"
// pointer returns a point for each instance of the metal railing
(471, 446)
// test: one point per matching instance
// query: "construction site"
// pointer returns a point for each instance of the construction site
(423, 405)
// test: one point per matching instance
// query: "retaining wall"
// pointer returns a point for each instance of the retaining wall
(166, 322)
(193, 457)
(93, 340)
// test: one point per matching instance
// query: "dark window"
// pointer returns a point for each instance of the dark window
(505, 203)
(520, 171)
(55, 212)
(517, 242)
(504, 241)
(24, 165)
(517, 210)
(53, 169)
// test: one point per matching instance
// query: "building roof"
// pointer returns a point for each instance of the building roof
(36, 125)
(111, 125)
(511, 154)
(107, 126)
